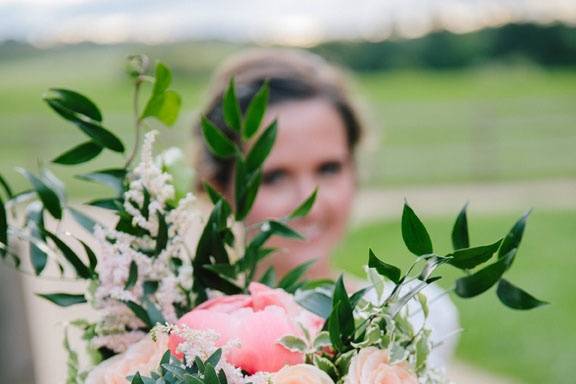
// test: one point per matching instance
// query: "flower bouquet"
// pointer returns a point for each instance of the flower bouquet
(180, 304)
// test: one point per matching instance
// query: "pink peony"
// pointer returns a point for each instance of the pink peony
(372, 366)
(258, 321)
(143, 356)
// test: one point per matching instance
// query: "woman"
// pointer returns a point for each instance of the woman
(318, 134)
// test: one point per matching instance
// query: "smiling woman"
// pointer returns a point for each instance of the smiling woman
(318, 131)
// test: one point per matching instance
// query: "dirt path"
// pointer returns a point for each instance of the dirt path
(373, 204)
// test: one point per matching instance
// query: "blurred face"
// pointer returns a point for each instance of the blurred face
(311, 151)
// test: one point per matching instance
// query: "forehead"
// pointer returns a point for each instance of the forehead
(308, 130)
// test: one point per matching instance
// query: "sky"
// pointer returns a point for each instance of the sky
(291, 22)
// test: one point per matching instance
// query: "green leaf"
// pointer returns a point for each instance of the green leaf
(132, 276)
(113, 204)
(303, 209)
(72, 101)
(92, 260)
(516, 298)
(214, 358)
(316, 302)
(137, 379)
(165, 107)
(460, 236)
(232, 113)
(269, 277)
(281, 229)
(113, 178)
(101, 135)
(514, 237)
(84, 220)
(468, 258)
(290, 281)
(4, 184)
(246, 186)
(153, 313)
(79, 154)
(293, 343)
(479, 282)
(210, 376)
(262, 148)
(140, 312)
(162, 238)
(163, 78)
(215, 196)
(35, 220)
(217, 141)
(49, 198)
(326, 365)
(384, 269)
(346, 316)
(63, 299)
(414, 233)
(3, 229)
(81, 270)
(256, 110)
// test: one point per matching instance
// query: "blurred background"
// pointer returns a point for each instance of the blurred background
(469, 100)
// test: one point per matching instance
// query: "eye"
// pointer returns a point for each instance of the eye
(329, 168)
(274, 176)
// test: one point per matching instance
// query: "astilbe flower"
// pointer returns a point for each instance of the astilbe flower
(118, 250)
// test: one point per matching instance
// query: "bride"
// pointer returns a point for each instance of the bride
(319, 130)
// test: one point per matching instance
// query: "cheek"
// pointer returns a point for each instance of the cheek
(338, 199)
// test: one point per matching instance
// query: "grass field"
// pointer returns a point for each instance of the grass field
(487, 124)
(535, 346)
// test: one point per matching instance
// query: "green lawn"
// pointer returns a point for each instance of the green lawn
(535, 346)
(488, 124)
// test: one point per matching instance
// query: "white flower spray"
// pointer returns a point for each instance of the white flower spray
(149, 196)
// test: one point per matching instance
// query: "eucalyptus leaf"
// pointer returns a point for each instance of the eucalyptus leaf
(269, 277)
(84, 220)
(514, 236)
(74, 102)
(414, 233)
(256, 110)
(35, 221)
(48, 196)
(516, 298)
(132, 276)
(482, 280)
(262, 148)
(217, 141)
(384, 269)
(4, 184)
(63, 299)
(3, 229)
(232, 113)
(460, 236)
(289, 282)
(114, 178)
(81, 270)
(101, 135)
(79, 154)
(303, 209)
(315, 301)
(467, 258)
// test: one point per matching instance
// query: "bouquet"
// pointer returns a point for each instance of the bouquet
(180, 304)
